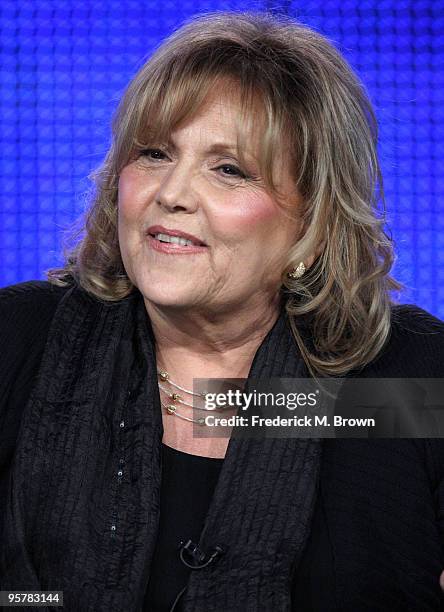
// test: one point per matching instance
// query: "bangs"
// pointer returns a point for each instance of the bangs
(170, 98)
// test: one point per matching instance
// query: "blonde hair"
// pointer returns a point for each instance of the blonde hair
(309, 97)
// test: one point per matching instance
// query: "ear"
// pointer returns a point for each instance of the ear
(309, 262)
(312, 258)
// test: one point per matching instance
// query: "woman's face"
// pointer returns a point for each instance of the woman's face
(194, 184)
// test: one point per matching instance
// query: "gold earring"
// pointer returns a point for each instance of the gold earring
(297, 272)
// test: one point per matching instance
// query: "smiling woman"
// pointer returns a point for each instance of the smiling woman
(192, 190)
(235, 233)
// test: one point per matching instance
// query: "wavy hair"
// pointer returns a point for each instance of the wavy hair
(305, 94)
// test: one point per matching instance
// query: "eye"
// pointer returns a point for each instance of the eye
(155, 154)
(230, 170)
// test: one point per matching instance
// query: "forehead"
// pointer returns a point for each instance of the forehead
(221, 118)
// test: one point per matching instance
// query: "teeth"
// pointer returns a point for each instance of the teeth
(173, 239)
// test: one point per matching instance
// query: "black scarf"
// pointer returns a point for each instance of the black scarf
(83, 510)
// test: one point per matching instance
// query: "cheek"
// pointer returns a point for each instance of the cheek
(124, 197)
(252, 221)
(133, 195)
(247, 214)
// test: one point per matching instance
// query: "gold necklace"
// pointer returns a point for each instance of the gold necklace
(175, 397)
(171, 408)
(163, 374)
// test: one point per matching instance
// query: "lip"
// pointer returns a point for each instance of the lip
(173, 249)
(159, 229)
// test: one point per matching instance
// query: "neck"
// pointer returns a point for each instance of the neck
(211, 344)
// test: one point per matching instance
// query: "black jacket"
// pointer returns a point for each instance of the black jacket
(344, 525)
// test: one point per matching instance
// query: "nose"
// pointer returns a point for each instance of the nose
(175, 193)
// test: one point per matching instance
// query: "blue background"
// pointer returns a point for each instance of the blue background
(64, 65)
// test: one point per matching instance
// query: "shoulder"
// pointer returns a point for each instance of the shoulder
(417, 337)
(414, 347)
(26, 311)
(33, 292)
(409, 318)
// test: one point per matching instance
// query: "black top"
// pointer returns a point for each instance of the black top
(188, 483)
(376, 539)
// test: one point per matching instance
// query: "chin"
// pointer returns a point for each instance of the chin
(167, 293)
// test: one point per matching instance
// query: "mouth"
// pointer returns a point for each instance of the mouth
(166, 238)
(174, 241)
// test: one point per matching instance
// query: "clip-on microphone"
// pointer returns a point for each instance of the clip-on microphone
(197, 555)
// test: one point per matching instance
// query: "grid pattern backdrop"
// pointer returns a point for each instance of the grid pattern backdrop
(64, 65)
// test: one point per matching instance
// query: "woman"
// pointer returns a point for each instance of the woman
(233, 234)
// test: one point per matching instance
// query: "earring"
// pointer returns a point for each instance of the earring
(297, 272)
